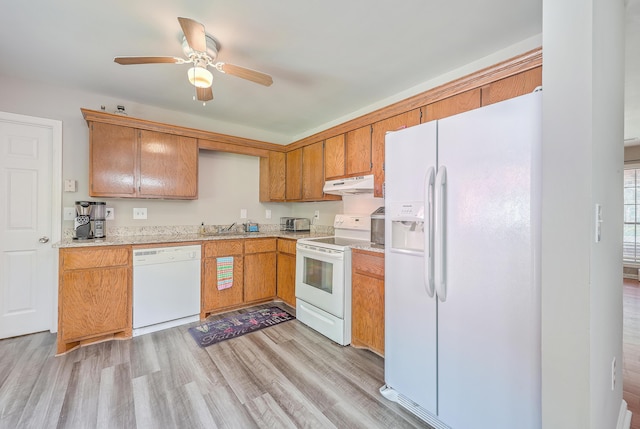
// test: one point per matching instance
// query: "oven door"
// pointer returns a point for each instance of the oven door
(320, 279)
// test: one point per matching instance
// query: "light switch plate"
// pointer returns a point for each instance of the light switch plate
(243, 213)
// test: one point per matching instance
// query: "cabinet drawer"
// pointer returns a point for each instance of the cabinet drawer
(260, 245)
(368, 264)
(287, 246)
(82, 258)
(213, 249)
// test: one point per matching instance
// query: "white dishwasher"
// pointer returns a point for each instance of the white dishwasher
(166, 287)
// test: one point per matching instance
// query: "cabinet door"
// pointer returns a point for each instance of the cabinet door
(286, 271)
(334, 157)
(168, 166)
(112, 160)
(450, 106)
(313, 171)
(277, 176)
(259, 276)
(380, 129)
(358, 151)
(95, 302)
(367, 278)
(294, 175)
(214, 299)
(513, 86)
(368, 312)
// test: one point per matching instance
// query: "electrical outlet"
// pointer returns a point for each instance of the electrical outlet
(316, 215)
(243, 213)
(267, 214)
(139, 213)
(613, 373)
(111, 214)
(69, 213)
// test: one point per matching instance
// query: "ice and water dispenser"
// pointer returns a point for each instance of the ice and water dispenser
(407, 226)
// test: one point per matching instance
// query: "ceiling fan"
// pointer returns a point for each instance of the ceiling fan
(201, 50)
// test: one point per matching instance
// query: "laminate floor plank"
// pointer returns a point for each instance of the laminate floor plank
(284, 376)
(267, 414)
(115, 398)
(26, 365)
(227, 410)
(44, 406)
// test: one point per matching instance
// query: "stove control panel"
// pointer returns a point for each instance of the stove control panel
(352, 221)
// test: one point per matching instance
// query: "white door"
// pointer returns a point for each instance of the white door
(27, 261)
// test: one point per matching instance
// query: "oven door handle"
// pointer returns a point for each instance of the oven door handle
(310, 251)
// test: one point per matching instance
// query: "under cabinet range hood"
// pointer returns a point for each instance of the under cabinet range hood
(349, 186)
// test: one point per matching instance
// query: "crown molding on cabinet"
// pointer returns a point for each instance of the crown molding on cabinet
(527, 61)
(206, 139)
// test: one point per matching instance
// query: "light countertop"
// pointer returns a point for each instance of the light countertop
(120, 240)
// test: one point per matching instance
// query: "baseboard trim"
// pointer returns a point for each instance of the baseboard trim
(624, 416)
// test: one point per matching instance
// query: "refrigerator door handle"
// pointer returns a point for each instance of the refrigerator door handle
(440, 233)
(429, 180)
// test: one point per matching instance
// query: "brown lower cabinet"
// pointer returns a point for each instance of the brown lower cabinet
(95, 285)
(212, 299)
(260, 269)
(286, 271)
(94, 295)
(367, 284)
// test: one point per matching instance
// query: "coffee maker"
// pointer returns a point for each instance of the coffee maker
(98, 218)
(89, 222)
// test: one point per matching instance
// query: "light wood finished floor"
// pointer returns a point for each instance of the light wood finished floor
(285, 376)
(631, 349)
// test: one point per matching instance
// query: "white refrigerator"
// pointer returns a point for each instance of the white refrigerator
(462, 267)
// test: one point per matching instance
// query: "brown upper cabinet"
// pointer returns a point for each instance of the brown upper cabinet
(334, 157)
(113, 158)
(450, 106)
(380, 130)
(349, 154)
(313, 171)
(358, 151)
(294, 175)
(273, 171)
(513, 86)
(126, 162)
(168, 166)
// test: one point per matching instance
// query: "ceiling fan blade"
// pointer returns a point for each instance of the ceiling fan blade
(194, 33)
(148, 60)
(204, 94)
(245, 73)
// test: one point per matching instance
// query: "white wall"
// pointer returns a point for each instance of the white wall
(582, 161)
(227, 182)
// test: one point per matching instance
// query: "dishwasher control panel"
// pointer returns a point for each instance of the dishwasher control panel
(159, 255)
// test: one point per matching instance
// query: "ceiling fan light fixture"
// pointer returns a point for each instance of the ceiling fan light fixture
(200, 77)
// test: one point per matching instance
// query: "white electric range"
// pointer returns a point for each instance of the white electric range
(323, 277)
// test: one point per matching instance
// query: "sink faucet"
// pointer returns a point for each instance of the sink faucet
(229, 227)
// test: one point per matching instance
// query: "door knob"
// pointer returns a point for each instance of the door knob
(44, 239)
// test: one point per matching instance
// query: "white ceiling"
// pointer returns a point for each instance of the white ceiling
(327, 58)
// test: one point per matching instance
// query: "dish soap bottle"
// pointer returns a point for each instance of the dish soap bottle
(202, 229)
